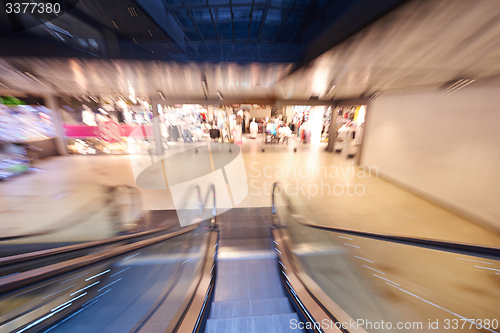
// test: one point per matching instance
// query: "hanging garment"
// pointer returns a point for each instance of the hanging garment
(214, 133)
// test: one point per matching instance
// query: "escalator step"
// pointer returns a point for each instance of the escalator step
(256, 324)
(236, 231)
(250, 308)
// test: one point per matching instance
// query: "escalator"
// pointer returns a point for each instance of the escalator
(275, 269)
(248, 295)
(120, 213)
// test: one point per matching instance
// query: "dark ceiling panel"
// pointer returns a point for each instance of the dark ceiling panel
(243, 31)
(340, 21)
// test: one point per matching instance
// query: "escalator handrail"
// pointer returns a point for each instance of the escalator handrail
(27, 278)
(63, 223)
(15, 259)
(195, 302)
(202, 286)
(202, 202)
(211, 189)
(310, 301)
(35, 255)
(38, 254)
(442, 245)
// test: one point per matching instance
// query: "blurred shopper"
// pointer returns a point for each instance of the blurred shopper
(254, 127)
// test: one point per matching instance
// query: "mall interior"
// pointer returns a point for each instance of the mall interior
(249, 166)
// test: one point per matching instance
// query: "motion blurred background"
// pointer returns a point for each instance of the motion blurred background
(375, 116)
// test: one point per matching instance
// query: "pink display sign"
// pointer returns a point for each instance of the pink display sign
(82, 131)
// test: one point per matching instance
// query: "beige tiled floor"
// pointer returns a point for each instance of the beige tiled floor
(383, 207)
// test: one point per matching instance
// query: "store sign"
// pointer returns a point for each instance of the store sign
(109, 131)
(84, 131)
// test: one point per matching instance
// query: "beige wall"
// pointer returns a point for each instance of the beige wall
(444, 147)
(260, 113)
(289, 112)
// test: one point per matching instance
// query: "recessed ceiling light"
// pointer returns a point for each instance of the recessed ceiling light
(132, 11)
(375, 94)
(457, 85)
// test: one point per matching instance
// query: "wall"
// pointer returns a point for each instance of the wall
(260, 113)
(48, 146)
(446, 148)
(289, 113)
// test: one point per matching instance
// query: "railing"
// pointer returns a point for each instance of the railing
(369, 277)
(117, 209)
(473, 249)
(193, 212)
(193, 310)
(189, 247)
(127, 212)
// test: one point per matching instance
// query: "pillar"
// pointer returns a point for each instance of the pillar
(156, 129)
(331, 131)
(61, 140)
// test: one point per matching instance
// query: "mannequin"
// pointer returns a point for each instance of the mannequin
(253, 129)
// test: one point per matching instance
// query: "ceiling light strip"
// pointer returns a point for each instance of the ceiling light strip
(463, 84)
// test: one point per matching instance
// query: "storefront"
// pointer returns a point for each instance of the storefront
(26, 134)
(195, 123)
(349, 128)
(108, 127)
(310, 122)
(25, 123)
(183, 122)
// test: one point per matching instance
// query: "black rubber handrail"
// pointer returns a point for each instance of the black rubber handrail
(202, 202)
(442, 245)
(23, 279)
(194, 303)
(311, 304)
(35, 255)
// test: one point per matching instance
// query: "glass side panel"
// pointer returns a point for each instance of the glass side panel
(380, 283)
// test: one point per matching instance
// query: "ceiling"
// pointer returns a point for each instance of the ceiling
(264, 30)
(146, 78)
(243, 31)
(420, 44)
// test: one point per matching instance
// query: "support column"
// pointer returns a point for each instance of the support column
(61, 140)
(210, 113)
(331, 131)
(156, 128)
